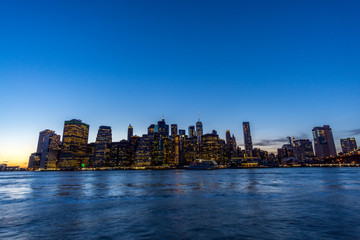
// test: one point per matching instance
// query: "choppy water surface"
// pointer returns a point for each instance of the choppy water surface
(301, 203)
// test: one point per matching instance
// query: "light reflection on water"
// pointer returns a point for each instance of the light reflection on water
(297, 203)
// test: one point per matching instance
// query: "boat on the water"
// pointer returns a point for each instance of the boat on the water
(202, 164)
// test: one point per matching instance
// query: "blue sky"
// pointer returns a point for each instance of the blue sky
(285, 66)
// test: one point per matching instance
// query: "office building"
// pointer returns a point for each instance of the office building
(182, 132)
(174, 130)
(192, 132)
(41, 140)
(50, 152)
(162, 128)
(130, 132)
(74, 144)
(199, 130)
(324, 142)
(348, 145)
(303, 149)
(102, 146)
(211, 147)
(247, 139)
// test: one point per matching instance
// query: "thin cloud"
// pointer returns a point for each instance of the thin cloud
(270, 142)
(354, 131)
(277, 141)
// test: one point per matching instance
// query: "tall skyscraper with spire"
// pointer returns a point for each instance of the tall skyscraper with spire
(247, 139)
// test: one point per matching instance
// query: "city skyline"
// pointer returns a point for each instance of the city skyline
(271, 145)
(285, 67)
(169, 146)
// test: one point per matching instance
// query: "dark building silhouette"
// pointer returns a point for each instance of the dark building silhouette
(230, 145)
(174, 130)
(182, 132)
(134, 142)
(102, 146)
(144, 149)
(190, 150)
(50, 152)
(120, 154)
(175, 151)
(324, 142)
(348, 145)
(74, 144)
(199, 130)
(247, 139)
(41, 140)
(161, 149)
(162, 128)
(151, 129)
(47, 153)
(34, 161)
(192, 132)
(303, 149)
(130, 132)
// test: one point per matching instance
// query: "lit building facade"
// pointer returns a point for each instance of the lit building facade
(303, 149)
(324, 142)
(47, 153)
(348, 145)
(74, 144)
(247, 139)
(212, 147)
(199, 130)
(174, 130)
(102, 146)
(144, 149)
(50, 152)
(41, 140)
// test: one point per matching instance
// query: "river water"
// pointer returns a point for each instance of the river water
(279, 203)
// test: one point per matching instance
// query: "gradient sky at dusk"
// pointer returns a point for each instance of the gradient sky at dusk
(285, 66)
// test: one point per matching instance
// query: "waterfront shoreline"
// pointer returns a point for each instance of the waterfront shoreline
(157, 168)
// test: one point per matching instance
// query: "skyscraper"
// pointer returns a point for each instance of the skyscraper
(247, 139)
(102, 146)
(199, 130)
(130, 132)
(42, 135)
(348, 145)
(192, 132)
(211, 147)
(230, 145)
(182, 132)
(74, 143)
(324, 142)
(50, 151)
(144, 148)
(303, 149)
(47, 153)
(174, 130)
(162, 128)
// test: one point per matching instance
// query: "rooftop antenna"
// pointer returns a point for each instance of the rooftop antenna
(198, 117)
